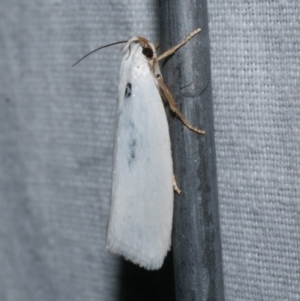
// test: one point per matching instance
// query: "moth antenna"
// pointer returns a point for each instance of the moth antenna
(97, 50)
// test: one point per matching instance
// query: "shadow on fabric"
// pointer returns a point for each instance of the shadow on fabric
(139, 284)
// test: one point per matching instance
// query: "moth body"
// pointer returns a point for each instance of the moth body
(140, 219)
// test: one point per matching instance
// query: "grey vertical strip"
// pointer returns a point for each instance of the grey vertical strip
(196, 234)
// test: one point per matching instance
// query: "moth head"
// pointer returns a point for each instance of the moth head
(148, 49)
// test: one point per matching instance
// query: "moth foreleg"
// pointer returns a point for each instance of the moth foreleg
(173, 49)
(168, 95)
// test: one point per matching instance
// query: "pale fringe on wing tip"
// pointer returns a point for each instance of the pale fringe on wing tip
(126, 252)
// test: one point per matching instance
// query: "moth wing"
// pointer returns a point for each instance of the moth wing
(140, 220)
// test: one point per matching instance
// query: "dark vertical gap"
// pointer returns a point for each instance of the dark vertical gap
(196, 232)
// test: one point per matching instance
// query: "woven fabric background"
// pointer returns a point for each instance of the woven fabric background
(57, 123)
(255, 54)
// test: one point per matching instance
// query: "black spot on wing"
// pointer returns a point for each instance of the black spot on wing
(132, 151)
(128, 90)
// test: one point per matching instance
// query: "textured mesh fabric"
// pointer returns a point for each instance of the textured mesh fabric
(255, 55)
(57, 124)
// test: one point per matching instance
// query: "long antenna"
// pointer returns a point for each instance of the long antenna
(97, 50)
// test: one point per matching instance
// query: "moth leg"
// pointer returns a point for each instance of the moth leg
(173, 106)
(174, 48)
(175, 187)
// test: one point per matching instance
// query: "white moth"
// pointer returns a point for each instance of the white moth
(141, 212)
